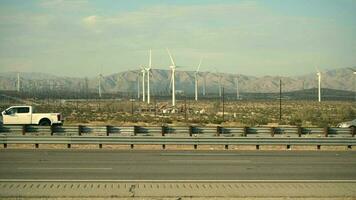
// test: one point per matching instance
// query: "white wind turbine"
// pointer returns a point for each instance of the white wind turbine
(143, 71)
(138, 85)
(319, 84)
(196, 80)
(237, 88)
(99, 81)
(148, 70)
(99, 84)
(173, 69)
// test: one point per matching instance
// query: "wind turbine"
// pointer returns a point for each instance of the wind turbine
(237, 88)
(204, 84)
(138, 85)
(196, 80)
(319, 84)
(173, 69)
(143, 71)
(99, 84)
(148, 70)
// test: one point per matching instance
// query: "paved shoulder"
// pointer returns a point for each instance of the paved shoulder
(37, 189)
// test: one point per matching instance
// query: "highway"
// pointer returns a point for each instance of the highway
(176, 165)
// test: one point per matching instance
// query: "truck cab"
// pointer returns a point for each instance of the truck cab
(25, 115)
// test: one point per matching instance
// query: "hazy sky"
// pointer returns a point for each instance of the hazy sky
(270, 37)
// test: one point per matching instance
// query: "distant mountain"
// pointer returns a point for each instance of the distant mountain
(339, 79)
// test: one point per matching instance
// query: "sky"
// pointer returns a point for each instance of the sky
(83, 38)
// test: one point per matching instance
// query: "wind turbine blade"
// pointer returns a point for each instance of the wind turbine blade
(199, 64)
(170, 56)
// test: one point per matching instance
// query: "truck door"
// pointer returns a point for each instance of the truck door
(17, 115)
(10, 117)
(24, 115)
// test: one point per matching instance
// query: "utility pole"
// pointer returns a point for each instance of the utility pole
(280, 100)
(18, 82)
(204, 85)
(132, 106)
(155, 106)
(185, 108)
(237, 89)
(223, 103)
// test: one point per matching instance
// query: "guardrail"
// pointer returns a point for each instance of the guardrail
(195, 141)
(178, 131)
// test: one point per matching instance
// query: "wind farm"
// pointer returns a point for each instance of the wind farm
(180, 97)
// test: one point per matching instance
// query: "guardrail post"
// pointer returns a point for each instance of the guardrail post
(52, 129)
(353, 131)
(300, 131)
(245, 131)
(218, 130)
(163, 130)
(108, 130)
(24, 129)
(326, 131)
(273, 130)
(80, 129)
(191, 131)
(136, 130)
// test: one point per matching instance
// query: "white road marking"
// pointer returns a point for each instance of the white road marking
(61, 168)
(200, 154)
(179, 181)
(209, 161)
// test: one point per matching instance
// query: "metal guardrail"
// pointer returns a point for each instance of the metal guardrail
(6, 139)
(178, 131)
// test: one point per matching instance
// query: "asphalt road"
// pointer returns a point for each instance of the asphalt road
(176, 165)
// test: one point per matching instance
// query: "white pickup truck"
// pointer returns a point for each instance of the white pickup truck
(25, 115)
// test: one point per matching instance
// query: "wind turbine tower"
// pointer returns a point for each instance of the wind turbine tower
(138, 86)
(196, 80)
(148, 78)
(173, 69)
(319, 85)
(99, 85)
(143, 70)
(237, 88)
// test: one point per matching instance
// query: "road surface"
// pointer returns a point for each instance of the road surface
(175, 174)
(176, 165)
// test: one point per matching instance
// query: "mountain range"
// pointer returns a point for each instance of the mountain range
(128, 81)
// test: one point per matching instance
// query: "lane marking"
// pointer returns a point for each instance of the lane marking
(200, 154)
(179, 181)
(209, 161)
(61, 168)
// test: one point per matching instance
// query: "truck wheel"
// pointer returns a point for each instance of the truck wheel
(45, 122)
